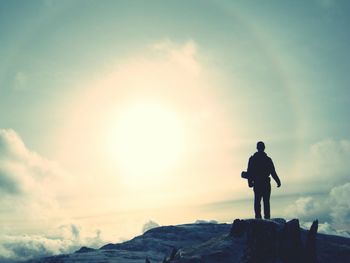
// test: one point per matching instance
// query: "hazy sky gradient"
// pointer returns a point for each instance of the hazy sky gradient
(224, 74)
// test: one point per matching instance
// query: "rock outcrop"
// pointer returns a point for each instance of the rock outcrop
(255, 241)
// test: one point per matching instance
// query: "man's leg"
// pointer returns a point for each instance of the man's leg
(266, 200)
(257, 203)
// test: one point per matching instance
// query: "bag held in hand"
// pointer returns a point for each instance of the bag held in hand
(247, 176)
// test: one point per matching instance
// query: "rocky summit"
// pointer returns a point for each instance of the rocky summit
(244, 241)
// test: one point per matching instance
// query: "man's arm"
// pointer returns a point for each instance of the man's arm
(274, 174)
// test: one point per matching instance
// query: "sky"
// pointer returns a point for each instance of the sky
(116, 115)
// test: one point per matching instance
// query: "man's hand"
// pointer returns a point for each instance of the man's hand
(278, 184)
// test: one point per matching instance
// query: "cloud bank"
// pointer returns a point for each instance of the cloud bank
(65, 239)
(333, 212)
(27, 180)
(29, 189)
(326, 167)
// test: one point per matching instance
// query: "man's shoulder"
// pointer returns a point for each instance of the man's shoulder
(265, 158)
(269, 160)
(252, 158)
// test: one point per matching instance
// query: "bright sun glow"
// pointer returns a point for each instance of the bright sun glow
(149, 140)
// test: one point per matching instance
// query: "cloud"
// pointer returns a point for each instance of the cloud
(325, 169)
(307, 209)
(8, 186)
(65, 239)
(340, 205)
(149, 225)
(29, 189)
(333, 212)
(28, 181)
(326, 228)
(26, 247)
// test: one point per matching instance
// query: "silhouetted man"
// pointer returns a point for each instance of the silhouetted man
(260, 166)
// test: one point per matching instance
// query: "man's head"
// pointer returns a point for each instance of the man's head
(260, 146)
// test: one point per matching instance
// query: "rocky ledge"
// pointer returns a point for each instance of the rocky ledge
(265, 241)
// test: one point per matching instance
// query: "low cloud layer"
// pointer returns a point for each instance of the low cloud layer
(326, 228)
(333, 211)
(325, 169)
(308, 208)
(29, 189)
(65, 239)
(339, 204)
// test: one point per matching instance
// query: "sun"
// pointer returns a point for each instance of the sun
(148, 140)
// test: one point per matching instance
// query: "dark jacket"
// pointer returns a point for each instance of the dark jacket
(260, 167)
